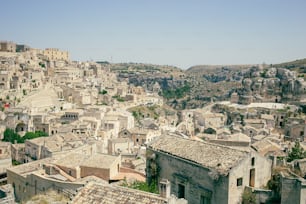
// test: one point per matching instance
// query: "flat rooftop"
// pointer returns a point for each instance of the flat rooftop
(96, 160)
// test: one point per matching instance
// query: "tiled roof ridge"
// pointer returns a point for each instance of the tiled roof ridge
(204, 142)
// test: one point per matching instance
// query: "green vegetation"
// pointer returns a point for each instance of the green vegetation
(119, 99)
(11, 136)
(15, 163)
(103, 92)
(248, 197)
(143, 186)
(297, 152)
(141, 112)
(176, 93)
(42, 64)
(24, 92)
(210, 131)
(274, 184)
(136, 115)
(263, 74)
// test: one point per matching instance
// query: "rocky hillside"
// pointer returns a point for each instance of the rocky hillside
(147, 75)
(272, 84)
(199, 85)
(297, 64)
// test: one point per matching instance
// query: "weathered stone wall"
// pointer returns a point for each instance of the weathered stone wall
(125, 146)
(291, 191)
(114, 168)
(4, 164)
(92, 171)
(197, 180)
(70, 171)
(262, 168)
(27, 186)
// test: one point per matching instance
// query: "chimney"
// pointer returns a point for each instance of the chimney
(164, 188)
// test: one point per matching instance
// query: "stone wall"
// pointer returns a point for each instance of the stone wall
(29, 185)
(4, 164)
(262, 168)
(293, 190)
(198, 181)
(92, 171)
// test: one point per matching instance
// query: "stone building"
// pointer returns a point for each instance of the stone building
(295, 129)
(53, 54)
(5, 156)
(7, 46)
(139, 136)
(5, 78)
(80, 165)
(18, 153)
(44, 147)
(22, 48)
(120, 146)
(221, 172)
(66, 172)
(234, 97)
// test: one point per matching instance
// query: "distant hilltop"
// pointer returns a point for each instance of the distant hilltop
(300, 63)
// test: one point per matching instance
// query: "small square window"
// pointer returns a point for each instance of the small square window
(239, 182)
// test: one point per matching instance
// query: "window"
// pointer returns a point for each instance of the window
(205, 200)
(253, 161)
(239, 181)
(181, 191)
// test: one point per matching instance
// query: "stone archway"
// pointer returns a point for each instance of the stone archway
(21, 127)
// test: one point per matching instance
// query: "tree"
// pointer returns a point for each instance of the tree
(103, 92)
(11, 136)
(275, 184)
(297, 152)
(248, 197)
(33, 135)
(210, 131)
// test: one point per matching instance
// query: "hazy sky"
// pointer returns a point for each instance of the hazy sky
(172, 32)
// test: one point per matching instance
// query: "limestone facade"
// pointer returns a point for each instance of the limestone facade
(53, 54)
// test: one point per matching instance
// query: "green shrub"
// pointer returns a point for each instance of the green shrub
(297, 152)
(248, 197)
(143, 186)
(11, 136)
